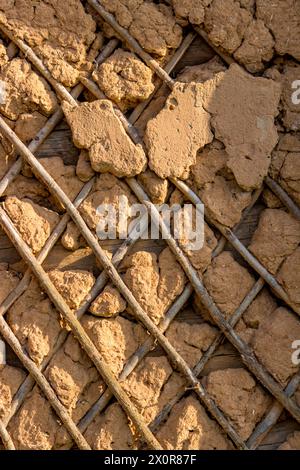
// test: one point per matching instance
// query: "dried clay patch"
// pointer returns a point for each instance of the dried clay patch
(61, 33)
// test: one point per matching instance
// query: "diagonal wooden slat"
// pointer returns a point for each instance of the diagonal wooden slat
(273, 415)
(5, 437)
(133, 44)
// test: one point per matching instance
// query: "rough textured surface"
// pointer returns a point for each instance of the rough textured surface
(289, 276)
(183, 127)
(154, 281)
(146, 383)
(191, 340)
(286, 74)
(156, 187)
(227, 282)
(285, 164)
(277, 236)
(290, 175)
(275, 16)
(233, 27)
(202, 72)
(96, 127)
(28, 125)
(3, 54)
(73, 285)
(124, 79)
(59, 32)
(72, 238)
(239, 397)
(189, 428)
(35, 322)
(110, 430)
(106, 190)
(243, 110)
(292, 442)
(7, 156)
(108, 304)
(35, 426)
(10, 380)
(224, 200)
(192, 10)
(257, 47)
(35, 223)
(226, 23)
(64, 175)
(76, 382)
(151, 386)
(153, 26)
(23, 187)
(154, 107)
(175, 135)
(153, 383)
(8, 281)
(261, 308)
(115, 338)
(278, 331)
(26, 91)
(84, 171)
(200, 258)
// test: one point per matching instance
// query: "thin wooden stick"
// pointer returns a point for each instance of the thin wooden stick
(272, 416)
(283, 196)
(44, 385)
(79, 333)
(129, 128)
(139, 109)
(132, 43)
(28, 52)
(5, 437)
(227, 58)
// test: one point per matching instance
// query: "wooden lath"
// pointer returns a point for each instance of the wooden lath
(175, 247)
